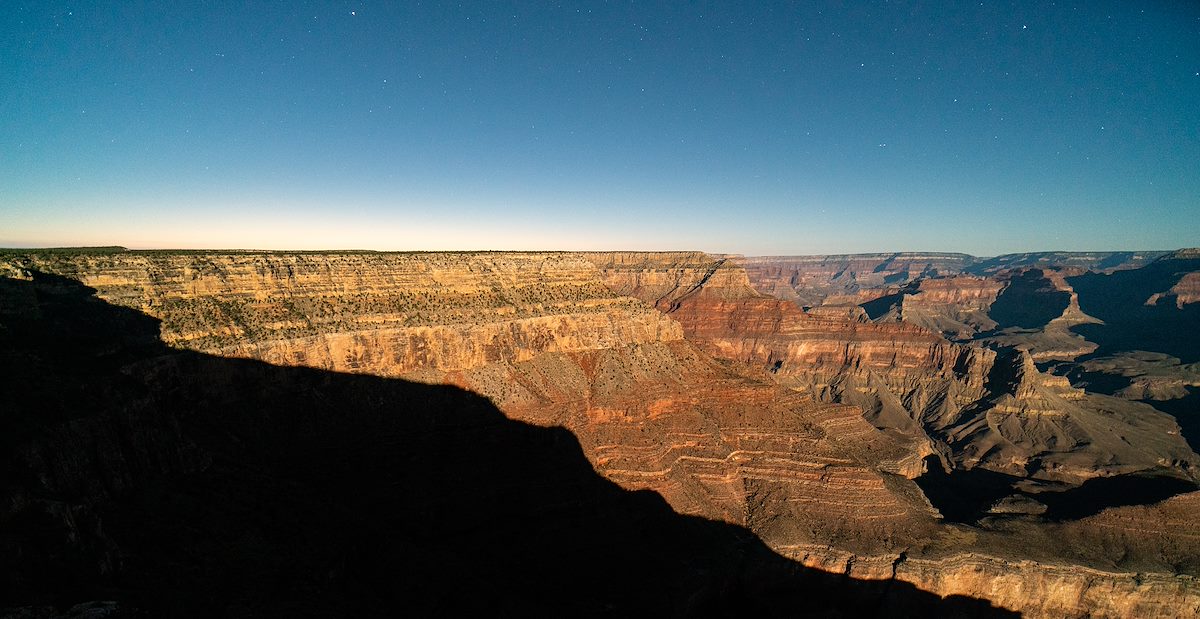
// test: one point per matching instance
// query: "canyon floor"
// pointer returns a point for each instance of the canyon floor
(618, 433)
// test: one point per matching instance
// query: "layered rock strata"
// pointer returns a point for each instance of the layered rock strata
(542, 336)
(809, 280)
(958, 401)
(954, 306)
(729, 404)
(173, 483)
(813, 280)
(384, 314)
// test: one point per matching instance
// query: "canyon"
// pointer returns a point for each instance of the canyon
(866, 435)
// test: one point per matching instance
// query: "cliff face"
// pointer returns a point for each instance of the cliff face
(954, 306)
(1185, 291)
(1097, 261)
(1035, 424)
(542, 336)
(384, 314)
(805, 427)
(969, 405)
(668, 418)
(175, 483)
(663, 279)
(1031, 310)
(1038, 589)
(956, 400)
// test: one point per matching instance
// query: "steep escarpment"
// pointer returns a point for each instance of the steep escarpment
(962, 402)
(1030, 434)
(1128, 302)
(1030, 310)
(1185, 291)
(728, 318)
(1035, 312)
(1138, 375)
(386, 314)
(670, 419)
(545, 339)
(180, 484)
(1039, 589)
(1033, 424)
(663, 279)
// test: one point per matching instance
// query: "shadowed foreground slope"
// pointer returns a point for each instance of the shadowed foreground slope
(183, 484)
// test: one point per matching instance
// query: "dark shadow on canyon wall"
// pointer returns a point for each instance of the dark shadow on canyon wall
(1095, 495)
(1120, 300)
(1186, 411)
(1028, 302)
(882, 305)
(963, 496)
(967, 496)
(185, 485)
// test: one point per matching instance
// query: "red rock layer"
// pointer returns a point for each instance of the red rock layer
(666, 417)
(947, 398)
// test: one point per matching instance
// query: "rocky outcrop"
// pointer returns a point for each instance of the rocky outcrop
(1030, 310)
(1035, 313)
(1185, 291)
(1037, 425)
(1137, 314)
(1147, 375)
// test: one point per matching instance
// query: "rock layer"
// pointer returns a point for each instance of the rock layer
(947, 398)
(729, 404)
(544, 338)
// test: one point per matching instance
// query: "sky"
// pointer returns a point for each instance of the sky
(760, 128)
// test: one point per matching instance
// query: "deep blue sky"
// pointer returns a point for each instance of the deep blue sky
(769, 129)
